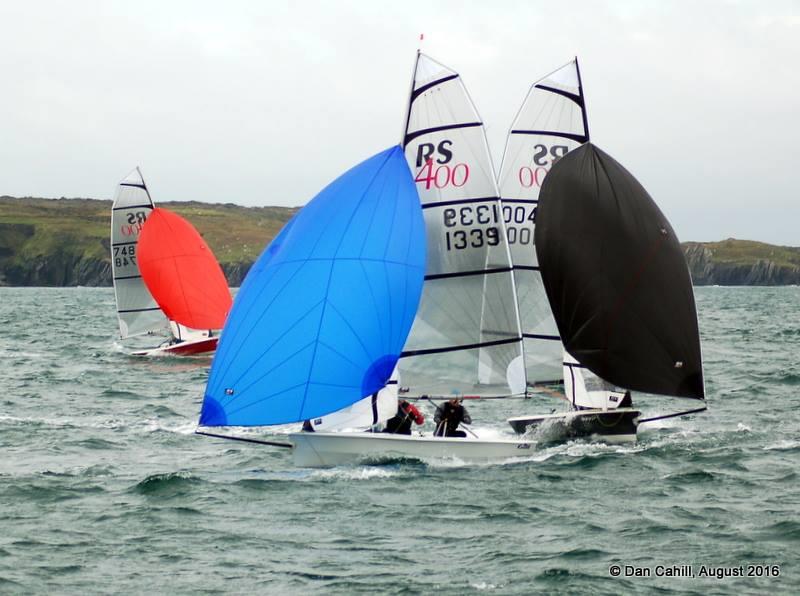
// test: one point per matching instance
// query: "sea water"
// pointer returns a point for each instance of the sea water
(105, 488)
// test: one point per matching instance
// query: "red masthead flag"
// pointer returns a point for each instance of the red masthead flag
(181, 272)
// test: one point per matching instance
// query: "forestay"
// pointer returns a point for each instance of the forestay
(466, 335)
(323, 314)
(181, 272)
(550, 123)
(137, 310)
(616, 277)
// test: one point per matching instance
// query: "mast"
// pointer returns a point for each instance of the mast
(582, 100)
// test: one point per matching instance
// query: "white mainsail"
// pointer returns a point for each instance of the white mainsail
(466, 336)
(373, 409)
(550, 123)
(137, 311)
(584, 389)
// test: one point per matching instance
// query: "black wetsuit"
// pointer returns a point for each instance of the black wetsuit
(447, 419)
(400, 423)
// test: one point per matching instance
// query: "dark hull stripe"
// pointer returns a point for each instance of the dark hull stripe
(413, 135)
(142, 186)
(427, 86)
(138, 310)
(460, 202)
(127, 277)
(467, 273)
(484, 344)
(538, 336)
(147, 206)
(576, 98)
(552, 133)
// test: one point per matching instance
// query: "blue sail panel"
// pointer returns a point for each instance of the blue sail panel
(325, 311)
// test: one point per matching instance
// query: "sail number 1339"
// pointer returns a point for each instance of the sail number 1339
(478, 219)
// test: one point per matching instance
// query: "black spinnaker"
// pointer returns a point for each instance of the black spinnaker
(616, 277)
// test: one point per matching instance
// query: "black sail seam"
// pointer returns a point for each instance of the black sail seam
(467, 273)
(139, 309)
(552, 133)
(541, 336)
(484, 344)
(460, 202)
(572, 96)
(574, 365)
(413, 135)
(523, 201)
(148, 205)
(417, 92)
(127, 277)
(142, 186)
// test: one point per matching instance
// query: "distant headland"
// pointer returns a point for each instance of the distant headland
(64, 242)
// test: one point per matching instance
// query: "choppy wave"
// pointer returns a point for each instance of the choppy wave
(104, 483)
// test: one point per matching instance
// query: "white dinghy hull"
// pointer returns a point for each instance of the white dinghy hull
(317, 449)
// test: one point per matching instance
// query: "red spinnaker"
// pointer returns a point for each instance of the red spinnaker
(181, 272)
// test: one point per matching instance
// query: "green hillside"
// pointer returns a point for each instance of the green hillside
(747, 252)
(64, 242)
(39, 238)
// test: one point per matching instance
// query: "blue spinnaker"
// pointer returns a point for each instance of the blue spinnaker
(324, 313)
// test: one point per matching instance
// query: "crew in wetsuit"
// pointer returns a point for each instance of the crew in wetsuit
(448, 417)
(400, 423)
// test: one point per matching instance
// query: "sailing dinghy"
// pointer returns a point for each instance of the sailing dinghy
(170, 246)
(465, 341)
(448, 301)
(551, 122)
(621, 296)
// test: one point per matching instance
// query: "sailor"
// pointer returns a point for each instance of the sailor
(448, 417)
(400, 423)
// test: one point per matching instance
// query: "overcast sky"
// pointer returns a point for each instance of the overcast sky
(265, 102)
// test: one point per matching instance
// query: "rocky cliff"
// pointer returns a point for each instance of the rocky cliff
(742, 263)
